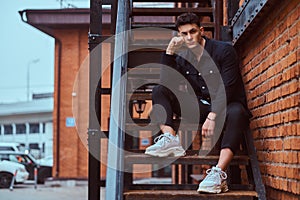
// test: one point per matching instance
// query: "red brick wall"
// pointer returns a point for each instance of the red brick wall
(72, 153)
(74, 69)
(270, 65)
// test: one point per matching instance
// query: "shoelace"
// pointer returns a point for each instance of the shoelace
(211, 172)
(162, 138)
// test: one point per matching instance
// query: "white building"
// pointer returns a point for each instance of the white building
(29, 123)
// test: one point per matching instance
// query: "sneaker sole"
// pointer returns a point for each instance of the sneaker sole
(214, 190)
(175, 152)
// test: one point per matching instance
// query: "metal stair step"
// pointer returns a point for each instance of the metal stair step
(192, 160)
(156, 25)
(142, 75)
(182, 187)
(144, 124)
(145, 54)
(208, 26)
(204, 11)
(151, 70)
(143, 68)
(187, 194)
(175, 1)
(150, 43)
(140, 96)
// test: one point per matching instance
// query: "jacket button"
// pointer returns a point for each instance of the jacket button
(211, 71)
(203, 87)
(199, 74)
(187, 72)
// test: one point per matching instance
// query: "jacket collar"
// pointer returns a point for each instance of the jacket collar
(208, 45)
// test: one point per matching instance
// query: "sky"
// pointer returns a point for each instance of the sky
(25, 49)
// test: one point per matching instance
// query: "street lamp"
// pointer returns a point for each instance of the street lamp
(34, 61)
(139, 106)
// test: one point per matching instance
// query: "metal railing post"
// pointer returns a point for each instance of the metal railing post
(115, 160)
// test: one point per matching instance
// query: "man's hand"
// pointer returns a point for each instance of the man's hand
(175, 44)
(209, 125)
(208, 128)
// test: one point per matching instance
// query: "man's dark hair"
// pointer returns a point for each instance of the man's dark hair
(187, 18)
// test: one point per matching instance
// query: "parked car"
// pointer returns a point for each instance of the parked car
(29, 162)
(11, 146)
(7, 171)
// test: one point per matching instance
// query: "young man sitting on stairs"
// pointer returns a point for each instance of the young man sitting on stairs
(200, 61)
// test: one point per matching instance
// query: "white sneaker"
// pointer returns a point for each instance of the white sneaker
(166, 145)
(214, 182)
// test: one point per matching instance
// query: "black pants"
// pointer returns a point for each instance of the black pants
(166, 104)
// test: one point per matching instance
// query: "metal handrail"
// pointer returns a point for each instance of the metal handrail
(115, 161)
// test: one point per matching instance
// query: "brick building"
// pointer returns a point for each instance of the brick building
(69, 27)
(270, 66)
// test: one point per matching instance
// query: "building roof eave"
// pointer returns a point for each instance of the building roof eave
(48, 20)
(30, 107)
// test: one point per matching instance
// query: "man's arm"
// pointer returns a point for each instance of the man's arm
(230, 73)
(169, 73)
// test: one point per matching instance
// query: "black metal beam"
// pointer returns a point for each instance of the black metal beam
(114, 7)
(94, 106)
(259, 186)
(218, 18)
(248, 15)
(244, 16)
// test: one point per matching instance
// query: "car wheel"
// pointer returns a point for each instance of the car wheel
(44, 173)
(5, 180)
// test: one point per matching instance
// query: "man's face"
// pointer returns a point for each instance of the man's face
(191, 34)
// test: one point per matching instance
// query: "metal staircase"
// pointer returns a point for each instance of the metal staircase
(142, 33)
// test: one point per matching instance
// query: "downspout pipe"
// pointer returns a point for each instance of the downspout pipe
(59, 44)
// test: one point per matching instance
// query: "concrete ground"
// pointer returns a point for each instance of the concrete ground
(68, 190)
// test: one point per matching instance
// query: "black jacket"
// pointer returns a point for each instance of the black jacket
(216, 78)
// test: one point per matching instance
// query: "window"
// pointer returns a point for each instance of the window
(20, 129)
(43, 147)
(34, 146)
(17, 158)
(6, 149)
(34, 128)
(4, 157)
(8, 130)
(44, 127)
